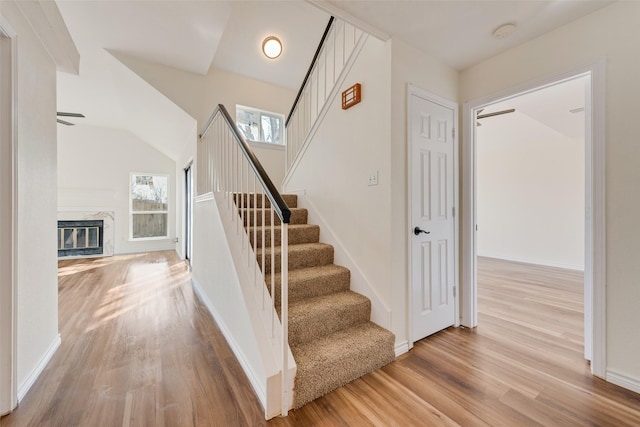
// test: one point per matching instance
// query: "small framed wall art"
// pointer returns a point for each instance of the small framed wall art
(351, 96)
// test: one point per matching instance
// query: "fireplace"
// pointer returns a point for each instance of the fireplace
(85, 234)
(80, 237)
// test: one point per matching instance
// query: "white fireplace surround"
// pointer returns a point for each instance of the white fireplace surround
(108, 231)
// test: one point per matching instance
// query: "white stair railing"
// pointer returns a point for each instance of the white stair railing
(228, 168)
(338, 49)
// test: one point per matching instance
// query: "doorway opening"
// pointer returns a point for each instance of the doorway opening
(530, 212)
(593, 213)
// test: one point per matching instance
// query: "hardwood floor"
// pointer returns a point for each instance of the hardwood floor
(139, 349)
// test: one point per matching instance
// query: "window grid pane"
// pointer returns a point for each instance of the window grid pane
(260, 126)
(149, 206)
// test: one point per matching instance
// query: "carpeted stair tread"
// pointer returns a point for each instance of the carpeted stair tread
(290, 199)
(313, 282)
(313, 318)
(300, 256)
(298, 216)
(330, 334)
(339, 358)
(298, 233)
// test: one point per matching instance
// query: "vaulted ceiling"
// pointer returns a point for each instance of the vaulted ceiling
(195, 35)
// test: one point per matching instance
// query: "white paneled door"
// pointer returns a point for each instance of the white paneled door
(431, 141)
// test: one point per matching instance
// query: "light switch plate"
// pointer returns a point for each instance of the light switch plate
(373, 178)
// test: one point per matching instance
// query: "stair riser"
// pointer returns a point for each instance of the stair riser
(311, 289)
(309, 327)
(290, 199)
(302, 259)
(296, 235)
(298, 216)
(378, 355)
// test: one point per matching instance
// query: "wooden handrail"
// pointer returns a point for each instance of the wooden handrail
(306, 77)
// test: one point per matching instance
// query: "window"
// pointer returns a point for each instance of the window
(260, 126)
(149, 206)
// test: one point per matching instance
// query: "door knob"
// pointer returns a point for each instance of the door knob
(419, 230)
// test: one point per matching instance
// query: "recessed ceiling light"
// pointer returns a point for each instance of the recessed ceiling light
(272, 47)
(504, 30)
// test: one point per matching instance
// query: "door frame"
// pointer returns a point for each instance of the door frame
(188, 213)
(8, 321)
(411, 91)
(595, 226)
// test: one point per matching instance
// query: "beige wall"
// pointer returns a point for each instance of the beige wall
(611, 33)
(37, 288)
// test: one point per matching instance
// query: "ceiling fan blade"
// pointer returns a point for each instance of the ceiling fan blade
(497, 113)
(62, 122)
(70, 114)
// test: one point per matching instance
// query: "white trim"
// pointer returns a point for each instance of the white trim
(336, 11)
(623, 381)
(595, 264)
(546, 263)
(267, 145)
(204, 197)
(8, 336)
(37, 370)
(246, 366)
(411, 91)
(402, 348)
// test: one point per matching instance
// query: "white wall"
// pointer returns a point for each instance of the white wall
(408, 65)
(94, 164)
(349, 146)
(199, 95)
(530, 192)
(37, 285)
(610, 33)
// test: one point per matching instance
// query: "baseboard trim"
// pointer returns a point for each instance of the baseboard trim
(35, 373)
(545, 263)
(623, 381)
(246, 367)
(402, 348)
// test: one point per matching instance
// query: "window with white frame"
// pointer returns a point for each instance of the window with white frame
(260, 126)
(149, 202)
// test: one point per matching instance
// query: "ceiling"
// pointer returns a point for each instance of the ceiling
(551, 106)
(195, 35)
(459, 33)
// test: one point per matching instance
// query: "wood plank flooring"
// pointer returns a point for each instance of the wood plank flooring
(139, 349)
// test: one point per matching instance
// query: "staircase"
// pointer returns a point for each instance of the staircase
(331, 337)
